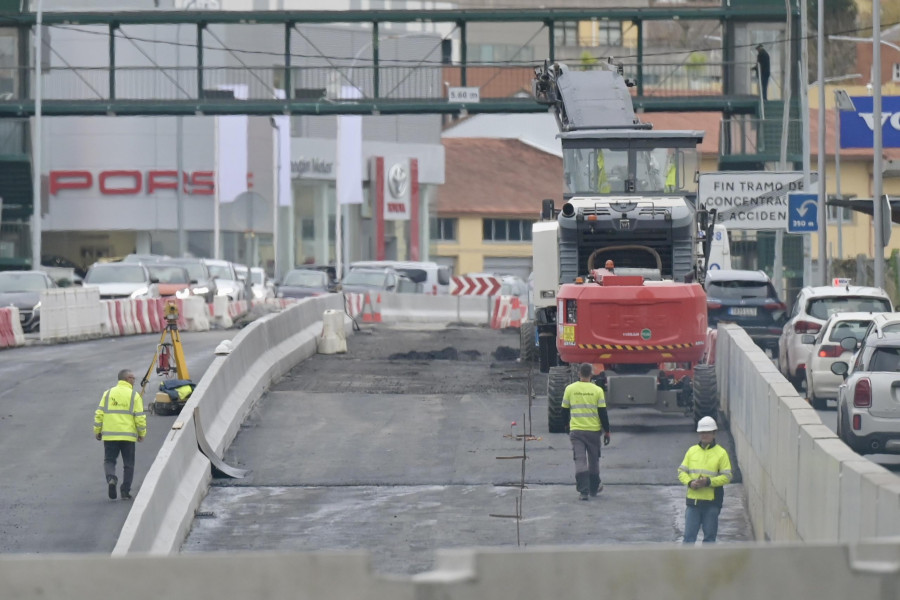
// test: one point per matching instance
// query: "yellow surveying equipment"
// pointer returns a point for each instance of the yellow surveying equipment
(169, 362)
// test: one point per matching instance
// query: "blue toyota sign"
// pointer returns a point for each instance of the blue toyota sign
(857, 127)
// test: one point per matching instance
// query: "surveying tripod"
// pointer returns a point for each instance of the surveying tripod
(169, 360)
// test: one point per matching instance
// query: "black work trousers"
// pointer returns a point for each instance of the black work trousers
(111, 451)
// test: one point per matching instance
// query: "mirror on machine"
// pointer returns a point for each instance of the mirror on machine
(849, 343)
(840, 368)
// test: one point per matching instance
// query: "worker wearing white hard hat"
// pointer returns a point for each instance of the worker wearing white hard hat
(705, 470)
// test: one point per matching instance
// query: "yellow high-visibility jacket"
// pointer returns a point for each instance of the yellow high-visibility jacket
(671, 179)
(587, 406)
(602, 182)
(712, 462)
(120, 416)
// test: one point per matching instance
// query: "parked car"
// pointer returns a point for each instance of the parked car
(868, 408)
(825, 349)
(811, 309)
(122, 280)
(262, 286)
(748, 299)
(433, 279)
(173, 280)
(22, 289)
(370, 279)
(227, 282)
(303, 283)
(202, 282)
(144, 258)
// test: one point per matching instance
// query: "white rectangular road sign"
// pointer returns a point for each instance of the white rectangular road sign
(464, 94)
(751, 199)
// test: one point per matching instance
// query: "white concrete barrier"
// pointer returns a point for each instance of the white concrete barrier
(178, 479)
(802, 482)
(420, 308)
(725, 572)
(70, 314)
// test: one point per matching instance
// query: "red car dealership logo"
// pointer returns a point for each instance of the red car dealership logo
(133, 182)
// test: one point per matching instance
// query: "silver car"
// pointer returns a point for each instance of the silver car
(122, 280)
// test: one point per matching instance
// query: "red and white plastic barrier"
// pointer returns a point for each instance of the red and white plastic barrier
(508, 312)
(11, 333)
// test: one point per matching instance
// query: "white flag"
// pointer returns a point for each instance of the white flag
(349, 168)
(231, 150)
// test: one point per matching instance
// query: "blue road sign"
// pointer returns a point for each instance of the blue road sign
(803, 213)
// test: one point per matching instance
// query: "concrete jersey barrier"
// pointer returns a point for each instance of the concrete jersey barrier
(802, 482)
(179, 477)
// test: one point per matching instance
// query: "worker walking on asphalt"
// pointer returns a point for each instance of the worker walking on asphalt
(705, 470)
(587, 418)
(120, 421)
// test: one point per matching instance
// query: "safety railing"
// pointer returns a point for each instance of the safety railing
(384, 82)
(748, 135)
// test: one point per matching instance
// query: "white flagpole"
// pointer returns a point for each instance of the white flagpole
(216, 198)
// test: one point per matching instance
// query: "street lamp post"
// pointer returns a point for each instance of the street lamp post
(842, 101)
(878, 211)
(36, 147)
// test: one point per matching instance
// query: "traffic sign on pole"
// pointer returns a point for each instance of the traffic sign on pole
(803, 213)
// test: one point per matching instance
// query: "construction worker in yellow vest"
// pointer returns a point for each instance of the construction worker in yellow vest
(602, 181)
(119, 422)
(671, 176)
(587, 419)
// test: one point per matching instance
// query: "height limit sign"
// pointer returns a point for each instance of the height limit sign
(803, 213)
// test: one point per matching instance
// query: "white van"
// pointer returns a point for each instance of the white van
(432, 279)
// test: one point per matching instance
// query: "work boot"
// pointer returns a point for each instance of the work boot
(111, 481)
(126, 494)
(596, 486)
(583, 497)
(581, 484)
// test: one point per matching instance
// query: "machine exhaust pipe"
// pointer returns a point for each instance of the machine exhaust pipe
(568, 210)
(874, 445)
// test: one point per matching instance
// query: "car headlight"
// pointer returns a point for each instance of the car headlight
(185, 293)
(140, 292)
(258, 293)
(37, 307)
(224, 290)
(279, 295)
(201, 291)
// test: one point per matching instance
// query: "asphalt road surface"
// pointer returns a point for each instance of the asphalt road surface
(53, 492)
(405, 445)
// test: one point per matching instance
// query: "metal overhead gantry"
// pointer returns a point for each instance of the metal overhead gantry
(110, 93)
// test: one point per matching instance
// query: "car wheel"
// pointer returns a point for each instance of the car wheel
(817, 403)
(843, 429)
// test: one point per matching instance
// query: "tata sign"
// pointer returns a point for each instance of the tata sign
(128, 182)
(857, 128)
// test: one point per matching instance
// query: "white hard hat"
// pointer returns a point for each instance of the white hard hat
(706, 424)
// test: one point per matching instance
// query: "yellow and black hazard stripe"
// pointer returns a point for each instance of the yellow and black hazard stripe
(634, 348)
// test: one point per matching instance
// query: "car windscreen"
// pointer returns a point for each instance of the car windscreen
(302, 278)
(885, 359)
(169, 274)
(845, 329)
(739, 290)
(195, 271)
(22, 282)
(822, 308)
(222, 272)
(364, 278)
(116, 274)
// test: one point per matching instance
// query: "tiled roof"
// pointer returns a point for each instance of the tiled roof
(497, 177)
